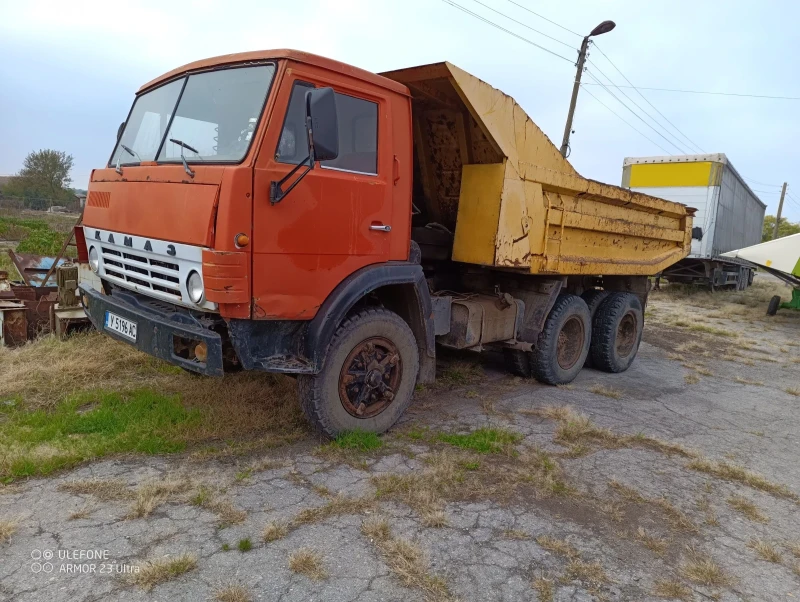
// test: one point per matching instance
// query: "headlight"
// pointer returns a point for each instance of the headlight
(194, 286)
(94, 260)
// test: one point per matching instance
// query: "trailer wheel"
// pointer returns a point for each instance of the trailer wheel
(593, 297)
(617, 332)
(774, 305)
(518, 362)
(367, 377)
(563, 344)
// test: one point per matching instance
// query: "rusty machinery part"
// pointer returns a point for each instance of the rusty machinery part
(593, 297)
(368, 376)
(616, 332)
(563, 344)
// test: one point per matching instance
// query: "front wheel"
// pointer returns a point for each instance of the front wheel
(367, 377)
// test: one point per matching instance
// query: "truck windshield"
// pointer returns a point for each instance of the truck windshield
(216, 114)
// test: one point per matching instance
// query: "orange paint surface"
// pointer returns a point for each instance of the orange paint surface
(301, 248)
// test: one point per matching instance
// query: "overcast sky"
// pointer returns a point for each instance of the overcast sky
(70, 69)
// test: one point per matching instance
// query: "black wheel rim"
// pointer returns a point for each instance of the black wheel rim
(626, 335)
(570, 343)
(369, 377)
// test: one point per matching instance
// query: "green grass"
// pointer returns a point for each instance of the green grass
(90, 425)
(245, 545)
(357, 440)
(483, 440)
(226, 547)
(34, 235)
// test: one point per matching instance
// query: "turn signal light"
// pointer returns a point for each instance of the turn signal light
(241, 240)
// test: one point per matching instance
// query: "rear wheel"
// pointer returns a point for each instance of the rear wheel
(367, 377)
(593, 297)
(617, 332)
(774, 305)
(563, 344)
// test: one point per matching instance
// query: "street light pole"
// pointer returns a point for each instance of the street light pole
(604, 27)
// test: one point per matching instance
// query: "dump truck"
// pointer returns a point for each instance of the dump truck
(729, 215)
(284, 212)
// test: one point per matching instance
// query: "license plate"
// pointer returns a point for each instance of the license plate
(121, 326)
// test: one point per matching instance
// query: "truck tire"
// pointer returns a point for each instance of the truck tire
(563, 344)
(518, 362)
(367, 377)
(593, 297)
(617, 332)
(774, 305)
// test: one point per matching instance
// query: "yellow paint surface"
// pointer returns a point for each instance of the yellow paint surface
(478, 213)
(653, 175)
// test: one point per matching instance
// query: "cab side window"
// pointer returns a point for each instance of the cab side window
(293, 143)
(358, 135)
(358, 132)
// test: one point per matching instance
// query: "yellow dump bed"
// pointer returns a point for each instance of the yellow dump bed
(488, 173)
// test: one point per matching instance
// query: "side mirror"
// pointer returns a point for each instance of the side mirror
(322, 124)
(120, 129)
(322, 129)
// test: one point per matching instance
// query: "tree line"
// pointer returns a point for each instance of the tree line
(43, 181)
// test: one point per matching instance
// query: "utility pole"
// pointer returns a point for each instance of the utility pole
(604, 27)
(780, 208)
(573, 101)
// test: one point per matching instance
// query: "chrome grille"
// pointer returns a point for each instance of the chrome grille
(155, 274)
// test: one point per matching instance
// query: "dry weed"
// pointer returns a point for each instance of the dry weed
(308, 562)
(544, 587)
(233, 593)
(83, 512)
(652, 542)
(672, 589)
(515, 534)
(591, 573)
(559, 547)
(765, 550)
(7, 528)
(335, 507)
(748, 508)
(152, 494)
(700, 567)
(733, 472)
(103, 489)
(606, 391)
(161, 570)
(274, 531)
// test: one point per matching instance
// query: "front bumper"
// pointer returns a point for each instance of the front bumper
(155, 331)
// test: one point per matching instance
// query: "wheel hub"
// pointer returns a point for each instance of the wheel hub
(369, 377)
(570, 343)
(626, 335)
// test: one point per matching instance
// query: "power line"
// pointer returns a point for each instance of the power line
(626, 122)
(541, 33)
(715, 93)
(762, 183)
(545, 18)
(509, 32)
(642, 110)
(691, 142)
(590, 74)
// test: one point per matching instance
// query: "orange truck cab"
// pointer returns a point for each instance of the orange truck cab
(256, 213)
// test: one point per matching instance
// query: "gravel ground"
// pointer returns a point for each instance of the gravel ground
(646, 501)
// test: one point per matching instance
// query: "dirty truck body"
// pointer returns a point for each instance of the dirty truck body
(729, 215)
(283, 212)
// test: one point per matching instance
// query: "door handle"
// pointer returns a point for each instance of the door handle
(380, 228)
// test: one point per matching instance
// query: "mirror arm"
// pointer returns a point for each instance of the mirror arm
(276, 194)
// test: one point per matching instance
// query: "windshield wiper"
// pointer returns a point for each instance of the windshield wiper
(183, 145)
(131, 152)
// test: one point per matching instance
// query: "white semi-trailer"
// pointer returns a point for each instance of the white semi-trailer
(729, 214)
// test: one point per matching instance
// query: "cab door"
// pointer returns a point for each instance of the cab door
(338, 218)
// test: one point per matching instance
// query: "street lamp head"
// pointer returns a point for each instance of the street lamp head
(604, 27)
